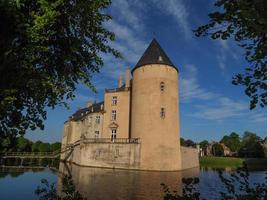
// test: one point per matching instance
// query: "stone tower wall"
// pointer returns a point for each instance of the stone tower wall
(160, 137)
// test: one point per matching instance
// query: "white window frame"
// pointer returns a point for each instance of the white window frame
(113, 134)
(113, 115)
(114, 100)
(97, 119)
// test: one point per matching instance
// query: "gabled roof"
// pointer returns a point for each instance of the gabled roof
(154, 54)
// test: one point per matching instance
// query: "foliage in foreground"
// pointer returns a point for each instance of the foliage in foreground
(47, 48)
(49, 192)
(244, 21)
(237, 187)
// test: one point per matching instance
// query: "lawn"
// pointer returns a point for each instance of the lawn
(221, 162)
(224, 162)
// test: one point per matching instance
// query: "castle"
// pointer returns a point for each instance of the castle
(137, 126)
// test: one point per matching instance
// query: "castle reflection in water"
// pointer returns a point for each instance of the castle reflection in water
(106, 184)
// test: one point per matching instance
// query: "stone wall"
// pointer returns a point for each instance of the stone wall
(111, 155)
(190, 158)
(155, 116)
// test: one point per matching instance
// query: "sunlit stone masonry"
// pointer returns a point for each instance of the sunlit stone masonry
(137, 126)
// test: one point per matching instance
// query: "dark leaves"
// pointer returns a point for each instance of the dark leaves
(244, 21)
(47, 48)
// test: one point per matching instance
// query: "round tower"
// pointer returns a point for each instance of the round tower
(155, 110)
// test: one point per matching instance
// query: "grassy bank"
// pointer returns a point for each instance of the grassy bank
(225, 162)
(221, 162)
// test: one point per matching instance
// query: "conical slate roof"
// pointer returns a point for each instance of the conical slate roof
(154, 54)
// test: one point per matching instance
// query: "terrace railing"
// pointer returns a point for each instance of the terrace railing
(30, 154)
(109, 140)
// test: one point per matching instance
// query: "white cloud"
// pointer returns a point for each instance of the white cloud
(126, 13)
(224, 51)
(129, 30)
(224, 108)
(190, 88)
(221, 60)
(178, 10)
(259, 117)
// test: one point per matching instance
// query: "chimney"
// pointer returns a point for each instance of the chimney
(127, 77)
(120, 81)
(89, 103)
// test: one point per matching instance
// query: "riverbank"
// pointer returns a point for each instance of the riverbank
(220, 162)
(224, 162)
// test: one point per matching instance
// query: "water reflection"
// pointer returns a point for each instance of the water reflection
(100, 183)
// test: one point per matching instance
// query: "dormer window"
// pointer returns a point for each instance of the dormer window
(160, 59)
(162, 86)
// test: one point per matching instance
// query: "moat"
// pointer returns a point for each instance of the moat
(101, 184)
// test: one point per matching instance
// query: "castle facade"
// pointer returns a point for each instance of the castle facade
(137, 126)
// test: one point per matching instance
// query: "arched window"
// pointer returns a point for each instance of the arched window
(162, 86)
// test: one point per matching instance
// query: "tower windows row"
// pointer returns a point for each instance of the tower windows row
(162, 113)
(162, 86)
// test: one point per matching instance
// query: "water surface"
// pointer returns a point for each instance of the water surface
(106, 184)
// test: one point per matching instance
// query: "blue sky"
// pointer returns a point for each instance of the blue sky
(210, 106)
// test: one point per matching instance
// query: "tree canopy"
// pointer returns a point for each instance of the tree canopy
(204, 144)
(47, 48)
(217, 150)
(251, 146)
(22, 144)
(232, 141)
(245, 21)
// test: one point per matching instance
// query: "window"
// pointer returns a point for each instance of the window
(114, 101)
(96, 134)
(97, 119)
(162, 113)
(113, 115)
(113, 134)
(162, 86)
(160, 59)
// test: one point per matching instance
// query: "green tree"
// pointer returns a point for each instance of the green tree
(35, 146)
(245, 21)
(251, 146)
(23, 144)
(47, 48)
(44, 147)
(182, 141)
(204, 144)
(232, 141)
(250, 136)
(55, 146)
(217, 150)
(7, 143)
